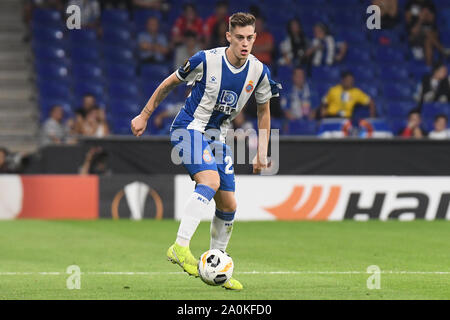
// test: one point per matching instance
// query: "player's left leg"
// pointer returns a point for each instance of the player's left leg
(222, 222)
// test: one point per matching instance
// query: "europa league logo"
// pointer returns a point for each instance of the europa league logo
(136, 194)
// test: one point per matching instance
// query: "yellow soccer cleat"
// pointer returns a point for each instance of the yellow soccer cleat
(184, 258)
(233, 284)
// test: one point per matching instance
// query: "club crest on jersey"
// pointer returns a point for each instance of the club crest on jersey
(249, 86)
(206, 155)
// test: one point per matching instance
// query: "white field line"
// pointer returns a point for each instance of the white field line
(241, 272)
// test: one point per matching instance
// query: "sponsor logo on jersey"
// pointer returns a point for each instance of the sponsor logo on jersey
(227, 102)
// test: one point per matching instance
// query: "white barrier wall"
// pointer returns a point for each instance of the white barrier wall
(331, 197)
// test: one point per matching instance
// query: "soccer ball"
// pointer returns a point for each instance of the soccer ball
(215, 267)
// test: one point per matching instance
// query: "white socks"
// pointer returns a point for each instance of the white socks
(221, 228)
(192, 213)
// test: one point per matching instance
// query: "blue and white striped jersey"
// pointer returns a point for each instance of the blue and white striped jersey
(220, 90)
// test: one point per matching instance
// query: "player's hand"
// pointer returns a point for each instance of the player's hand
(138, 125)
(259, 163)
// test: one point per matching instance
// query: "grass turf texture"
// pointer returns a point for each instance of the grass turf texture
(127, 246)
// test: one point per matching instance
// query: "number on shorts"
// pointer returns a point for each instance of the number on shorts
(229, 162)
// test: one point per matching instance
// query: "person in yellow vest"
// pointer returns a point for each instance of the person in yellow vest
(341, 99)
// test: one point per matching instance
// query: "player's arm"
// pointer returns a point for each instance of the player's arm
(263, 114)
(139, 123)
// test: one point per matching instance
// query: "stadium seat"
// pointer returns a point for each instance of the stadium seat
(53, 54)
(124, 107)
(397, 124)
(418, 70)
(115, 16)
(85, 54)
(155, 71)
(84, 87)
(123, 90)
(359, 55)
(301, 127)
(86, 71)
(52, 89)
(389, 54)
(332, 127)
(49, 36)
(394, 72)
(381, 129)
(117, 37)
(397, 91)
(430, 110)
(115, 71)
(52, 71)
(328, 74)
(82, 36)
(118, 55)
(46, 17)
(399, 109)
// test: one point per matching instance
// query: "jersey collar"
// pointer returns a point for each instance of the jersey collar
(230, 66)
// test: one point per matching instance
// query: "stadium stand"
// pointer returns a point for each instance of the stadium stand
(71, 63)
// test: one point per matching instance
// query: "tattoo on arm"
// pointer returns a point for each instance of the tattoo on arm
(163, 92)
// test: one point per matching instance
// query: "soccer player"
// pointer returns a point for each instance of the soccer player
(223, 79)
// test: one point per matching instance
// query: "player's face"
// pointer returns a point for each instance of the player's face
(241, 41)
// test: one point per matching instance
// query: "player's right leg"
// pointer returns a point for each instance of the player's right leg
(207, 185)
(202, 168)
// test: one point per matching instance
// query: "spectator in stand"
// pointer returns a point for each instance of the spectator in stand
(220, 16)
(95, 124)
(116, 4)
(413, 129)
(150, 4)
(440, 128)
(30, 5)
(89, 103)
(153, 44)
(95, 162)
(294, 46)
(218, 38)
(435, 87)
(3, 164)
(389, 13)
(90, 13)
(341, 99)
(188, 21)
(422, 30)
(323, 47)
(264, 43)
(296, 103)
(189, 47)
(53, 130)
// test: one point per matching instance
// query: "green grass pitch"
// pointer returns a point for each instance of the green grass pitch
(315, 260)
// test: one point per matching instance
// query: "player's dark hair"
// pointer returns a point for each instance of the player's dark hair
(241, 19)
